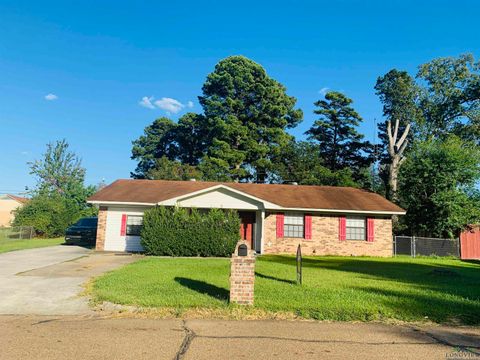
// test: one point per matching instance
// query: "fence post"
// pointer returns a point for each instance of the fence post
(394, 246)
(413, 246)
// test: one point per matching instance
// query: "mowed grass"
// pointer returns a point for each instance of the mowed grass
(15, 244)
(334, 288)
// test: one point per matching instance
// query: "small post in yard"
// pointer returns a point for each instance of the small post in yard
(242, 274)
(413, 246)
(299, 265)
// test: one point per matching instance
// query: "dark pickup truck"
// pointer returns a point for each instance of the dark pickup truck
(84, 231)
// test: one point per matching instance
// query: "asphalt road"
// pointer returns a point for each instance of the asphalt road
(68, 337)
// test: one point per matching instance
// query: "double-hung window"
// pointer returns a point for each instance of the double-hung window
(293, 225)
(134, 225)
(356, 228)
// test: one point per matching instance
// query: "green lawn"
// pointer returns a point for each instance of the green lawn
(11, 245)
(334, 288)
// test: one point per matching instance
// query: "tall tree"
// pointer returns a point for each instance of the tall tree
(248, 114)
(185, 141)
(438, 187)
(399, 95)
(60, 171)
(301, 162)
(450, 99)
(193, 137)
(156, 142)
(340, 144)
(165, 169)
(59, 196)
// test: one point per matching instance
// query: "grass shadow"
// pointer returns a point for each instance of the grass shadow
(268, 277)
(446, 277)
(204, 288)
(442, 310)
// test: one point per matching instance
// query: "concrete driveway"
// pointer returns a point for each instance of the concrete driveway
(48, 281)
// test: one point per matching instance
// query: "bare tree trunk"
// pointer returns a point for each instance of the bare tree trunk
(396, 148)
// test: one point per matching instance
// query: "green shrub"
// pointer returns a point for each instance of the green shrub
(174, 231)
(50, 215)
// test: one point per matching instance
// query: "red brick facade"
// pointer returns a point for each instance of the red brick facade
(325, 239)
(101, 227)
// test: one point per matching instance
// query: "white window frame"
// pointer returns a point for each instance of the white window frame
(356, 228)
(132, 220)
(292, 222)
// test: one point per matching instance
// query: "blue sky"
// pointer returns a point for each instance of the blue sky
(100, 58)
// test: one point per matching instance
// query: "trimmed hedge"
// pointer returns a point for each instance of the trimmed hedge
(174, 231)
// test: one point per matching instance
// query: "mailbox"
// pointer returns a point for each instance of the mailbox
(242, 250)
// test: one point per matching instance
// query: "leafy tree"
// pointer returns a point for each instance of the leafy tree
(165, 169)
(185, 141)
(450, 100)
(300, 162)
(156, 142)
(247, 113)
(341, 146)
(49, 215)
(438, 187)
(399, 94)
(59, 197)
(193, 137)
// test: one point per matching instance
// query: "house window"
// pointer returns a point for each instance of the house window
(293, 225)
(356, 228)
(134, 225)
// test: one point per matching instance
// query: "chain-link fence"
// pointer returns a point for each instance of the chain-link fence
(423, 246)
(16, 233)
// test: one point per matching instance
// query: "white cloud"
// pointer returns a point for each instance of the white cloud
(51, 97)
(169, 105)
(147, 102)
(323, 90)
(25, 152)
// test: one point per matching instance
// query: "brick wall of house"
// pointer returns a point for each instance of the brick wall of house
(325, 241)
(101, 227)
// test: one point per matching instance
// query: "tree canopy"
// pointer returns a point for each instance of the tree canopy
(246, 115)
(58, 200)
(438, 187)
(340, 145)
(431, 124)
(450, 97)
(249, 113)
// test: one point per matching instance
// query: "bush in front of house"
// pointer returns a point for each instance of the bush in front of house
(174, 231)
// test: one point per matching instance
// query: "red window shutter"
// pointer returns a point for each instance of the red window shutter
(370, 229)
(123, 228)
(342, 228)
(308, 226)
(280, 225)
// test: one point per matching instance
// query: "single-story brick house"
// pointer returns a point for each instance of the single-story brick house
(325, 220)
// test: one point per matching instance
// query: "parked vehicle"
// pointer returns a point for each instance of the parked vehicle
(83, 231)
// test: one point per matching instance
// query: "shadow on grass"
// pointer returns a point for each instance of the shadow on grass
(204, 288)
(457, 280)
(268, 277)
(428, 306)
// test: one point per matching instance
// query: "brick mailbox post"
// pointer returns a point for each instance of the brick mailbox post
(242, 275)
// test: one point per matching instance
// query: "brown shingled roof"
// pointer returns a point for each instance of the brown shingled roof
(19, 199)
(286, 196)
